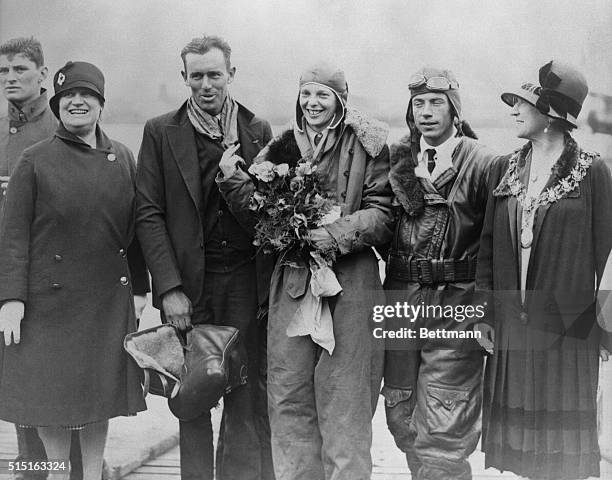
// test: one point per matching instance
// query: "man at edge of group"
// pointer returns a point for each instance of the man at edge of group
(201, 259)
(28, 121)
(433, 386)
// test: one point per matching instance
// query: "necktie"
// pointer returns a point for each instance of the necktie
(317, 138)
(431, 159)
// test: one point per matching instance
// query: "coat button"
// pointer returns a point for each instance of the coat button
(111, 157)
(56, 286)
(58, 258)
(224, 243)
(124, 281)
(13, 130)
(343, 195)
(122, 252)
(524, 318)
(347, 173)
(220, 213)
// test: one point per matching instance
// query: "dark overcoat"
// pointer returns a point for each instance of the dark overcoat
(540, 393)
(169, 220)
(67, 252)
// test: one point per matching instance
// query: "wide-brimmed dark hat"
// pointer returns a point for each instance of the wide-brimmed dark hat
(560, 95)
(76, 75)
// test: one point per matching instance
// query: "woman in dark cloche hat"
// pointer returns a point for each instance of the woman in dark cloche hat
(544, 247)
(72, 275)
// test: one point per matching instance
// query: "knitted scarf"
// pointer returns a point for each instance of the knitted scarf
(222, 127)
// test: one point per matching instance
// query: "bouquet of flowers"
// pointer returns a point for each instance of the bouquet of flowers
(289, 201)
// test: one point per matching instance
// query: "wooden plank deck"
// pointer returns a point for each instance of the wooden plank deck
(166, 467)
(388, 461)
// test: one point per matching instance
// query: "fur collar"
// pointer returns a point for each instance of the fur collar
(284, 149)
(404, 182)
(561, 169)
(371, 133)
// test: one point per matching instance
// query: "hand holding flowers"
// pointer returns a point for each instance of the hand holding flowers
(291, 207)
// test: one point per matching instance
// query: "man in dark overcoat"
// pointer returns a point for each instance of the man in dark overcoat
(28, 121)
(201, 259)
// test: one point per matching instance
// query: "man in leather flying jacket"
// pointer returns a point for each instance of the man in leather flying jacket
(433, 384)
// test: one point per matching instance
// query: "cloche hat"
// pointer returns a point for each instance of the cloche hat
(559, 95)
(76, 75)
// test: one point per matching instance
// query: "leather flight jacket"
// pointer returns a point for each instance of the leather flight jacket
(438, 227)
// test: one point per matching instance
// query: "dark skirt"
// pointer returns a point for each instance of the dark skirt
(540, 416)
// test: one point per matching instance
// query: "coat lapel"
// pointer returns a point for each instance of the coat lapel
(562, 168)
(248, 135)
(542, 210)
(181, 138)
(512, 220)
(558, 173)
(462, 157)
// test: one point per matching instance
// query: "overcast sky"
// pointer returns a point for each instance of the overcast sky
(490, 44)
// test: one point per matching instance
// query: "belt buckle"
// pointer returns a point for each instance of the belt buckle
(449, 271)
(436, 266)
(424, 270)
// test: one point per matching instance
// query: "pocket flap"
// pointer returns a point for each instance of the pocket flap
(448, 397)
(295, 280)
(393, 396)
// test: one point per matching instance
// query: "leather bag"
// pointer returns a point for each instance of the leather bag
(194, 371)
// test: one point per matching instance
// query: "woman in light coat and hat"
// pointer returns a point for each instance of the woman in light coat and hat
(71, 274)
(321, 402)
(544, 246)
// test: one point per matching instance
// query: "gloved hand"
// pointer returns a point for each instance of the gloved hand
(11, 314)
(3, 184)
(321, 238)
(487, 336)
(140, 302)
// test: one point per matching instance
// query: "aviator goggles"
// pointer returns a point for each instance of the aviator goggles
(438, 83)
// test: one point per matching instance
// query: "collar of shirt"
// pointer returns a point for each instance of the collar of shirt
(444, 157)
(30, 110)
(328, 137)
